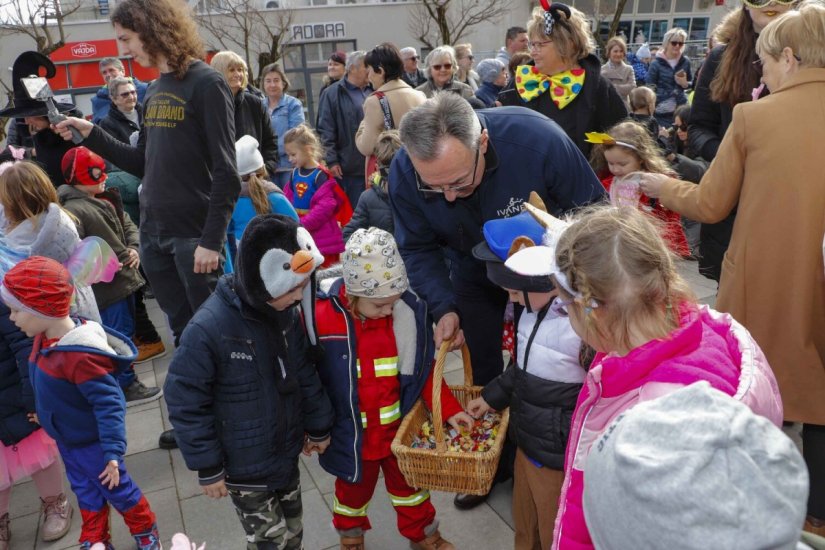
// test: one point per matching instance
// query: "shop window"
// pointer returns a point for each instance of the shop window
(662, 6)
(682, 22)
(644, 6)
(657, 31)
(684, 6)
(699, 28)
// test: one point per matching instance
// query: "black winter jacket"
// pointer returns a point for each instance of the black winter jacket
(120, 127)
(240, 411)
(541, 408)
(251, 119)
(597, 107)
(16, 394)
(338, 121)
(373, 210)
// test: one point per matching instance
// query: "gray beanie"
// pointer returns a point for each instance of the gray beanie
(489, 69)
(694, 469)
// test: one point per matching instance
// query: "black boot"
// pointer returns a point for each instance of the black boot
(468, 502)
(167, 440)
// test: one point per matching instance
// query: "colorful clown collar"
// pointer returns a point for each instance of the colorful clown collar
(564, 87)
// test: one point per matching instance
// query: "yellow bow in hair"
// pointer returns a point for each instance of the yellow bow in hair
(564, 87)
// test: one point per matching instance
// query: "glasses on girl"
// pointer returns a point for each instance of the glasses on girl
(445, 66)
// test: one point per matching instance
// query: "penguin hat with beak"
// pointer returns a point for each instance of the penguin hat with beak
(275, 256)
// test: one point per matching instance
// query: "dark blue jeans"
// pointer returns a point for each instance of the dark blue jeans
(169, 264)
(120, 316)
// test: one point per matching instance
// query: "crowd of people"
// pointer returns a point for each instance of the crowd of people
(310, 273)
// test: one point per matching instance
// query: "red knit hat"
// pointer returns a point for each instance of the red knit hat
(82, 167)
(39, 285)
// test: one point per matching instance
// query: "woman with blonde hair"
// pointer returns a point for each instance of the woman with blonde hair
(769, 168)
(251, 118)
(285, 112)
(616, 71)
(670, 75)
(465, 73)
(441, 68)
(564, 81)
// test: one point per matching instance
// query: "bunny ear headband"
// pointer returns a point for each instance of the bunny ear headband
(552, 13)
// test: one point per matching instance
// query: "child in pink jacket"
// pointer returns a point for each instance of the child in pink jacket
(625, 298)
(314, 192)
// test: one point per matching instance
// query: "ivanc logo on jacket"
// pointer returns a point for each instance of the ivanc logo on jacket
(513, 207)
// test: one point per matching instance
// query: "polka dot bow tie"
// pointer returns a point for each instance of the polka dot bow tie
(563, 87)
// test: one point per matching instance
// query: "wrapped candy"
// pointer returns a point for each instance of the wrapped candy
(479, 439)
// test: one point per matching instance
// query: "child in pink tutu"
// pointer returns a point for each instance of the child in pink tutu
(26, 450)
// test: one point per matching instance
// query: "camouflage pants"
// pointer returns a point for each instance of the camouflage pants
(272, 519)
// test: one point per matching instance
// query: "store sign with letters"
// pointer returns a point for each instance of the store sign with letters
(318, 31)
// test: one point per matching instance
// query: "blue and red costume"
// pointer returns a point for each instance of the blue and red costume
(81, 406)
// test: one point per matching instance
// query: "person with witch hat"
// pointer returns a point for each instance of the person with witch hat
(49, 147)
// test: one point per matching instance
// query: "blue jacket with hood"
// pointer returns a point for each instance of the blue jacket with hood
(343, 456)
(78, 398)
(526, 152)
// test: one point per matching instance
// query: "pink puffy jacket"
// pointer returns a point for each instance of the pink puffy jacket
(320, 221)
(708, 346)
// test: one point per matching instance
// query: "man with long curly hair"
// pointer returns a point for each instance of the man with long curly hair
(185, 155)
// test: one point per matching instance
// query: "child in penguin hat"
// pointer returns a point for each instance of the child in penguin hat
(542, 385)
(242, 390)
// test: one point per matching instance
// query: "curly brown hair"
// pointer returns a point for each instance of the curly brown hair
(166, 28)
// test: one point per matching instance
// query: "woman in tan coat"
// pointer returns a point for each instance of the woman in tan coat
(770, 164)
(385, 69)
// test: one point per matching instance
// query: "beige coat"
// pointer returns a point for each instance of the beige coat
(771, 163)
(401, 97)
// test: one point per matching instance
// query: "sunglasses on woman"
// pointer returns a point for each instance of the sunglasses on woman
(677, 44)
(762, 3)
(445, 66)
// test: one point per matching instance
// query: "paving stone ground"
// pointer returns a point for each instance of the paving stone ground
(180, 506)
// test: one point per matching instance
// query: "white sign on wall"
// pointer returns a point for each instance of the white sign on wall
(318, 31)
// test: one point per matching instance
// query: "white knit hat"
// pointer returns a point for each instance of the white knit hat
(248, 156)
(373, 268)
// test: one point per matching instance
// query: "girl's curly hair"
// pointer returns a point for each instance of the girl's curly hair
(646, 151)
(166, 29)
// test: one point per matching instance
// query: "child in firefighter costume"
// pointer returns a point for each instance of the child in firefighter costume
(378, 359)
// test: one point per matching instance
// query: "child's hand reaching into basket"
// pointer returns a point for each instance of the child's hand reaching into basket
(461, 419)
(478, 407)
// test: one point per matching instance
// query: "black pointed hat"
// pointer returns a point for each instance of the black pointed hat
(21, 105)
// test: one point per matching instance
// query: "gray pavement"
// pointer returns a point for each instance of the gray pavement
(180, 506)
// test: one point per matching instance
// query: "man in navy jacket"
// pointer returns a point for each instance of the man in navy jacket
(458, 169)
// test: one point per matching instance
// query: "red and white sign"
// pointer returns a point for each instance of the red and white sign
(87, 49)
(84, 49)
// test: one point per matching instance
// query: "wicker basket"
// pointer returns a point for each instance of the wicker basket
(440, 469)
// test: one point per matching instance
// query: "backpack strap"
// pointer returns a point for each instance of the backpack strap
(389, 123)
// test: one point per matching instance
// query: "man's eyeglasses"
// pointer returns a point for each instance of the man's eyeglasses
(677, 44)
(537, 45)
(426, 189)
(445, 66)
(124, 95)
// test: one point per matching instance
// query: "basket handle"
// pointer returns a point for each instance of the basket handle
(438, 377)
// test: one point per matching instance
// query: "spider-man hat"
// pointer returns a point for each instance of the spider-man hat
(82, 167)
(40, 286)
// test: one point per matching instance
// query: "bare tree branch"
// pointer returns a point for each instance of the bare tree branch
(258, 34)
(452, 19)
(41, 20)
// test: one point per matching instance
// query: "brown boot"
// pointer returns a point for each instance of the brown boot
(815, 526)
(57, 517)
(5, 533)
(352, 543)
(433, 542)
